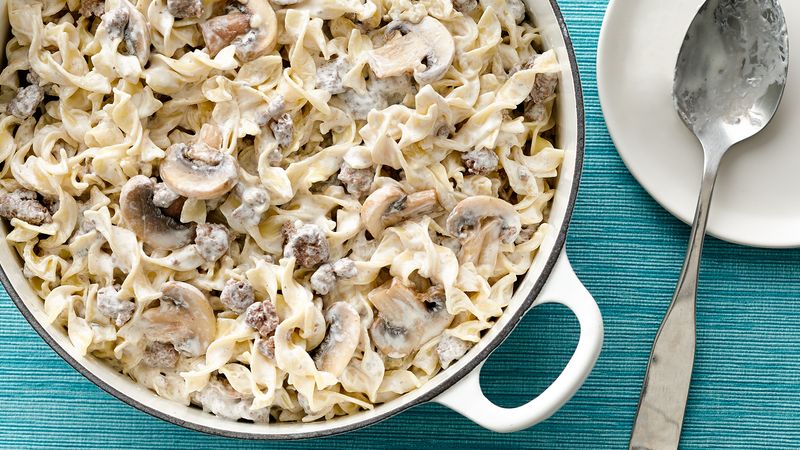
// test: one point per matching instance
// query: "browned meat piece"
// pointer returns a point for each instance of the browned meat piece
(345, 268)
(544, 87)
(283, 129)
(91, 8)
(323, 280)
(308, 244)
(357, 181)
(237, 295)
(184, 9)
(163, 196)
(481, 161)
(267, 347)
(465, 6)
(535, 112)
(212, 241)
(451, 348)
(26, 101)
(160, 355)
(330, 74)
(517, 10)
(111, 305)
(24, 205)
(262, 317)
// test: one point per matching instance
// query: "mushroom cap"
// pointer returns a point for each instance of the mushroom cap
(470, 214)
(148, 221)
(265, 26)
(184, 318)
(219, 32)
(389, 206)
(406, 320)
(376, 205)
(341, 340)
(199, 171)
(253, 29)
(137, 33)
(427, 41)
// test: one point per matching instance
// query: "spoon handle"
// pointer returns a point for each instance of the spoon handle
(666, 383)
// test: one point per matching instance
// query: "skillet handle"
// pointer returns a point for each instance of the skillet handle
(466, 396)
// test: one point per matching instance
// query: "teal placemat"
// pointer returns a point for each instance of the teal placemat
(626, 249)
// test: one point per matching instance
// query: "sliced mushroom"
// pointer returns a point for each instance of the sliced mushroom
(219, 32)
(148, 221)
(341, 340)
(249, 25)
(425, 48)
(184, 318)
(481, 223)
(406, 319)
(128, 25)
(201, 170)
(389, 206)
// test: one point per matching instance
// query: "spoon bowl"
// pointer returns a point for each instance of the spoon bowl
(732, 68)
(729, 80)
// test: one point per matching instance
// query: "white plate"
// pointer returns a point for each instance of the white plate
(757, 197)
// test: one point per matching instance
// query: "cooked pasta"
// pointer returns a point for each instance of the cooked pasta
(277, 211)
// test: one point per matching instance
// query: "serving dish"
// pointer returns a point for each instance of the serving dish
(758, 179)
(549, 280)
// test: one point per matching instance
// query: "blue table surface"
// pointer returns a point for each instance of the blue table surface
(627, 250)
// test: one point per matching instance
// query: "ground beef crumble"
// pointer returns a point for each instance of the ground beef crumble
(273, 109)
(465, 6)
(305, 242)
(160, 355)
(24, 205)
(451, 348)
(283, 130)
(26, 101)
(480, 161)
(255, 201)
(345, 268)
(183, 9)
(358, 182)
(163, 196)
(237, 295)
(517, 10)
(323, 280)
(266, 347)
(330, 74)
(115, 22)
(262, 317)
(91, 8)
(212, 241)
(112, 306)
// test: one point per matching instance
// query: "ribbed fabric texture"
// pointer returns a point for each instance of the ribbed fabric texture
(628, 252)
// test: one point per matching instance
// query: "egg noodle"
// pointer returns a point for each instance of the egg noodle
(391, 157)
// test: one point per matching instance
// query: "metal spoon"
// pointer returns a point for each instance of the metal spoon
(729, 80)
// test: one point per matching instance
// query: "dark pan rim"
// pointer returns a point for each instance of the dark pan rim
(434, 392)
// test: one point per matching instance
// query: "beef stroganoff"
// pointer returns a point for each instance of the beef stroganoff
(280, 210)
